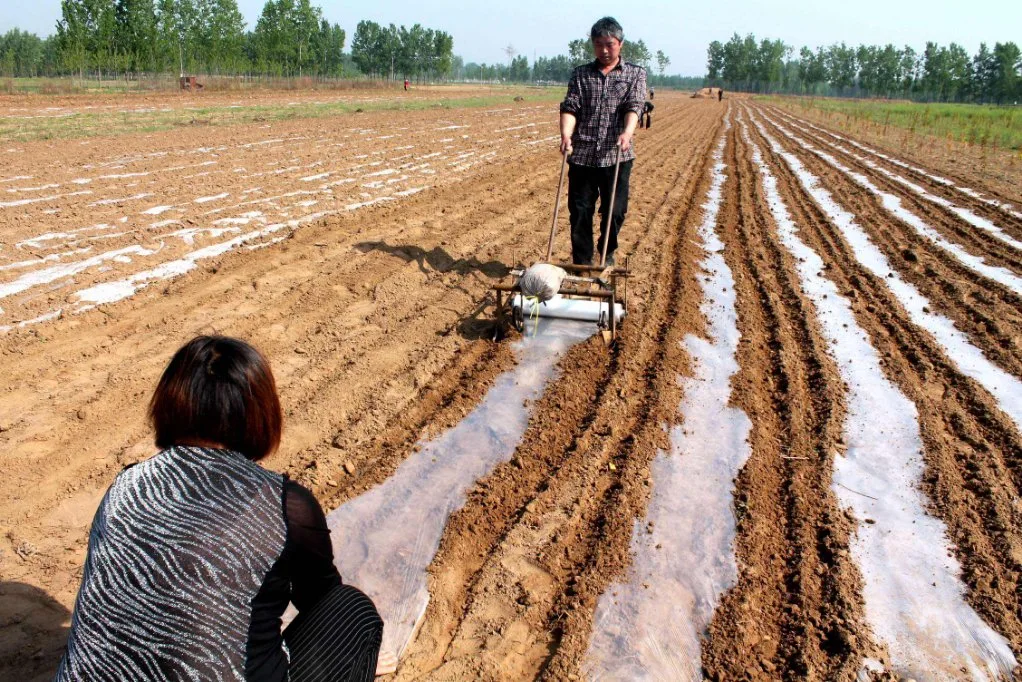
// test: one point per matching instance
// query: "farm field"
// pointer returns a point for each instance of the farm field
(979, 140)
(984, 125)
(802, 459)
(27, 118)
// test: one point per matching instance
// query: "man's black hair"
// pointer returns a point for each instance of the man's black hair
(607, 26)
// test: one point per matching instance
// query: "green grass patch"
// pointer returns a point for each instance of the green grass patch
(977, 124)
(90, 124)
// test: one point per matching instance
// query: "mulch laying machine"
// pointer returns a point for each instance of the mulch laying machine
(585, 293)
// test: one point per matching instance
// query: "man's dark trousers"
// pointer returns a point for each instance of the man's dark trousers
(585, 184)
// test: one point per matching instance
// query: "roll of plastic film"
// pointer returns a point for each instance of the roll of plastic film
(568, 309)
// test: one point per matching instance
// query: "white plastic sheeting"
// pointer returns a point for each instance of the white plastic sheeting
(968, 191)
(963, 213)
(1006, 388)
(894, 206)
(915, 600)
(567, 309)
(384, 540)
(649, 627)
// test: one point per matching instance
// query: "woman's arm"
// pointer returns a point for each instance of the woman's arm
(310, 553)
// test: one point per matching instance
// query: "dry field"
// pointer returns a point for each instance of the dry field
(801, 461)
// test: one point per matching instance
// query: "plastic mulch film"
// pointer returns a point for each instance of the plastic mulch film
(385, 539)
(649, 627)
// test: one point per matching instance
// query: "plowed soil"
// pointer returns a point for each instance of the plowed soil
(370, 295)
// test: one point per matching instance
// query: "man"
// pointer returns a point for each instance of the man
(598, 120)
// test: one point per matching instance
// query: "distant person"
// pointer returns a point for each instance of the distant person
(647, 114)
(406, 85)
(195, 553)
(651, 93)
(599, 115)
(720, 94)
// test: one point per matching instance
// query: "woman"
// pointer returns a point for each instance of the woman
(195, 553)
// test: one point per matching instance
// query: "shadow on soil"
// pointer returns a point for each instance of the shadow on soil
(479, 322)
(34, 631)
(437, 260)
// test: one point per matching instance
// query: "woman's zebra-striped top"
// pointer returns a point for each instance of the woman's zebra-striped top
(193, 557)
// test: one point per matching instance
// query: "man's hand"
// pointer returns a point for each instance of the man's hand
(568, 122)
(565, 144)
(625, 140)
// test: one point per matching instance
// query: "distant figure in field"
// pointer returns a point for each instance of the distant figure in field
(195, 553)
(646, 118)
(651, 93)
(406, 85)
(720, 94)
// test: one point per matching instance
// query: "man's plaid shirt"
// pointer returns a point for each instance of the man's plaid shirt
(599, 104)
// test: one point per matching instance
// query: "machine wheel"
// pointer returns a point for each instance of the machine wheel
(518, 318)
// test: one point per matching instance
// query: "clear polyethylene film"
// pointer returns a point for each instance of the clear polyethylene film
(385, 539)
(649, 627)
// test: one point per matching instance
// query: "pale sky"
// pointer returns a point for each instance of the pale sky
(681, 29)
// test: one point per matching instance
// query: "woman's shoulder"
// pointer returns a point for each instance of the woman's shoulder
(301, 505)
(180, 464)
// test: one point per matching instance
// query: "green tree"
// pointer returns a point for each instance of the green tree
(364, 47)
(219, 35)
(636, 53)
(1007, 84)
(768, 66)
(443, 53)
(580, 51)
(328, 46)
(908, 69)
(887, 70)
(21, 54)
(519, 71)
(136, 34)
(842, 66)
(983, 74)
(74, 35)
(714, 61)
(662, 62)
(957, 79)
(935, 76)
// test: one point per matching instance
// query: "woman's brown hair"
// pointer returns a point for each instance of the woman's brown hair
(218, 389)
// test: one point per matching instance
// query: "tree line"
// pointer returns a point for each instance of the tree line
(937, 74)
(393, 51)
(558, 69)
(290, 38)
